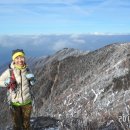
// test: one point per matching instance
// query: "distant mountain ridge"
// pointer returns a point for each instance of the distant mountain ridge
(83, 90)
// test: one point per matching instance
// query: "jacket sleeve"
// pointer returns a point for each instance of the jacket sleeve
(5, 75)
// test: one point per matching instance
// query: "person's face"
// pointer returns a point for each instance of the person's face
(19, 61)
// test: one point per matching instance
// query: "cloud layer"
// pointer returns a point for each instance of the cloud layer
(39, 45)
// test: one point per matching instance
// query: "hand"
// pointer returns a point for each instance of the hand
(7, 81)
(31, 79)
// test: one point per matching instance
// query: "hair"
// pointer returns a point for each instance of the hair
(17, 50)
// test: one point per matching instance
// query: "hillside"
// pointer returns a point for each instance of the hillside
(83, 90)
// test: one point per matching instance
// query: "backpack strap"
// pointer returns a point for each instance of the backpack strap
(27, 69)
(13, 84)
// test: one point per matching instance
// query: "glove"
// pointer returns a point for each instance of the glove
(7, 81)
(32, 82)
(29, 76)
(31, 79)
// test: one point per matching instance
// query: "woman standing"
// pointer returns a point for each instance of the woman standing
(18, 79)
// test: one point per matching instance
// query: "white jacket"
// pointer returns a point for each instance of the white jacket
(22, 93)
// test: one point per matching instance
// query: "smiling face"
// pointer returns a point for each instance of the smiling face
(19, 61)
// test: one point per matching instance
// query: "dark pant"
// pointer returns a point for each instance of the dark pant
(21, 117)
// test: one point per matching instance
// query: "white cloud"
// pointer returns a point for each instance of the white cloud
(37, 1)
(77, 39)
(12, 1)
(59, 45)
(34, 8)
(13, 40)
(6, 41)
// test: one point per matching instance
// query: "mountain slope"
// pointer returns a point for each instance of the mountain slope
(91, 86)
(84, 90)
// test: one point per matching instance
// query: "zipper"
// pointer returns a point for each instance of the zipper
(21, 85)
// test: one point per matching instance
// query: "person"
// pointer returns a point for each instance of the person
(18, 79)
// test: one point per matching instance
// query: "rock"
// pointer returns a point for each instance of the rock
(43, 122)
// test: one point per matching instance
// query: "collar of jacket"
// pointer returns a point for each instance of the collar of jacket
(19, 67)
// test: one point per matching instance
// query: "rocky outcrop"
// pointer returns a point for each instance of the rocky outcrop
(85, 91)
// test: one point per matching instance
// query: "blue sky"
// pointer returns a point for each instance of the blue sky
(64, 17)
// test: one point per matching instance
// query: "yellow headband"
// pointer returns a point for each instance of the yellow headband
(18, 54)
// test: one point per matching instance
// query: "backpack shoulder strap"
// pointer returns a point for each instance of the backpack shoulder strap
(27, 69)
(11, 71)
(13, 82)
